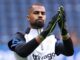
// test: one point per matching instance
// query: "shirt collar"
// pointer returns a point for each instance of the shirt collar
(35, 31)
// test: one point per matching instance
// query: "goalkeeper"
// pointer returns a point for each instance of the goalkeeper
(38, 43)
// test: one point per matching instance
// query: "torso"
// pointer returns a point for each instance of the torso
(45, 51)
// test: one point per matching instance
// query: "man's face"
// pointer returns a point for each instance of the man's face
(37, 16)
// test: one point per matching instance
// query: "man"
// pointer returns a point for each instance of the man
(39, 44)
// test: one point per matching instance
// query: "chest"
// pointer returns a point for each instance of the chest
(45, 50)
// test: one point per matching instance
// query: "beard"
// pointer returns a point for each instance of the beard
(37, 24)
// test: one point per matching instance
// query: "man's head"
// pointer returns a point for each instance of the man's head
(37, 15)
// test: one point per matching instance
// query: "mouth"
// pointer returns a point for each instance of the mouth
(40, 20)
(39, 23)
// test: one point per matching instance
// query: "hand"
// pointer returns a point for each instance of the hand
(62, 20)
(50, 27)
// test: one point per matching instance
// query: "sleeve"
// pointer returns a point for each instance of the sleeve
(18, 44)
(65, 47)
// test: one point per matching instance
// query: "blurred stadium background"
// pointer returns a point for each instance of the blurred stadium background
(13, 19)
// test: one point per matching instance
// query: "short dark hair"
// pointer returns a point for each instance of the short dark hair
(39, 4)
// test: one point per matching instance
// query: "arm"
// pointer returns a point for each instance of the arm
(18, 43)
(66, 47)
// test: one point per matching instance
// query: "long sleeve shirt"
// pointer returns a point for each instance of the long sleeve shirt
(26, 47)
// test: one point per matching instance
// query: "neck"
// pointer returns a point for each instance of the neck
(35, 28)
(38, 30)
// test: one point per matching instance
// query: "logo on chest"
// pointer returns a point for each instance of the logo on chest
(48, 56)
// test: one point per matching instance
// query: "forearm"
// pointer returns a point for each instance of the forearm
(18, 44)
(65, 47)
(67, 42)
(68, 47)
(24, 49)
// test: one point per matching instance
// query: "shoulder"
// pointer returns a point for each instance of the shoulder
(18, 37)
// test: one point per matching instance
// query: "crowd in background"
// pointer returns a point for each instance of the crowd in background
(13, 18)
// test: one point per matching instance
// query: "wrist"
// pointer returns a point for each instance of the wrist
(64, 31)
(66, 36)
(39, 39)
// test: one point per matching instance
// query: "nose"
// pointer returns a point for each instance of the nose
(40, 15)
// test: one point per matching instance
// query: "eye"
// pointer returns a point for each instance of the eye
(43, 13)
(36, 12)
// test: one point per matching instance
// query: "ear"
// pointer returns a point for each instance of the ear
(28, 17)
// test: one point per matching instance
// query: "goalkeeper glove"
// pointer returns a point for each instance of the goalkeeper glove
(62, 21)
(50, 27)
